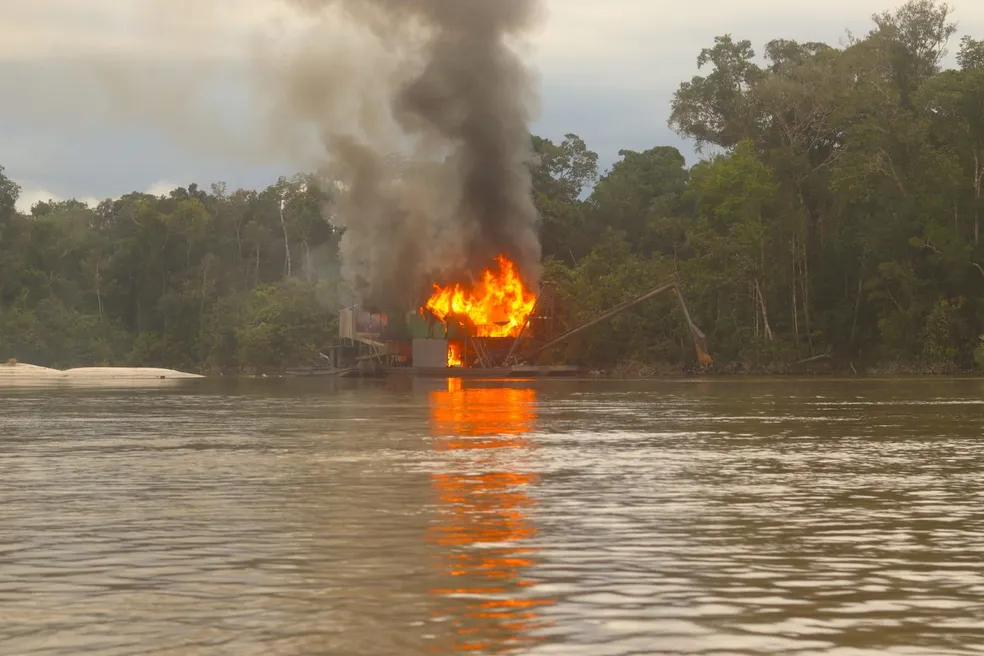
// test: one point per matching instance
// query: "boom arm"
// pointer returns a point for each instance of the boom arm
(700, 341)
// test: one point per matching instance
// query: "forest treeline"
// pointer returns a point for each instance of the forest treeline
(837, 212)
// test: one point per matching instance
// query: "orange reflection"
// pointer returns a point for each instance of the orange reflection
(483, 521)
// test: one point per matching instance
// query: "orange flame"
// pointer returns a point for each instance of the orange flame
(454, 355)
(498, 305)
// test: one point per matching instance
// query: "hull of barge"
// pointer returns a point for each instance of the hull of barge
(481, 372)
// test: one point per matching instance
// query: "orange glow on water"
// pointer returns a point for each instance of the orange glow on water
(485, 528)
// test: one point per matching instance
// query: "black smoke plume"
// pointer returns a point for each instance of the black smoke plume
(416, 114)
(434, 170)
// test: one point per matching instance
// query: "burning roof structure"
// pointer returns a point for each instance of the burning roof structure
(498, 306)
(474, 324)
(491, 315)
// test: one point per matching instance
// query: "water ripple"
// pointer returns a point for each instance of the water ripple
(557, 518)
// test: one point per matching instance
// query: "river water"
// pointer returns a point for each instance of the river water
(531, 518)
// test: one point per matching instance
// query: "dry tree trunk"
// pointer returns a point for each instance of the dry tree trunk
(857, 308)
(755, 311)
(308, 266)
(805, 281)
(99, 299)
(201, 307)
(765, 314)
(796, 332)
(978, 178)
(283, 224)
(256, 273)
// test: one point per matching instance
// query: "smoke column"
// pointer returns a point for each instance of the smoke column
(422, 109)
(414, 113)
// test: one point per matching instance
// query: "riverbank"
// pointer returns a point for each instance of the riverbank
(814, 367)
(27, 374)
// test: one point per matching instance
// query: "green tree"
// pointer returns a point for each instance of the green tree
(641, 190)
(716, 109)
(560, 176)
(836, 212)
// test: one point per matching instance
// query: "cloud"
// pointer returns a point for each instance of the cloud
(574, 30)
(31, 195)
(177, 29)
(607, 68)
(162, 188)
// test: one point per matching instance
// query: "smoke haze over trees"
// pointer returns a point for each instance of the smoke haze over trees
(838, 211)
(418, 112)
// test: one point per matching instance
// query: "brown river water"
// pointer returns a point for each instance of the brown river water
(576, 518)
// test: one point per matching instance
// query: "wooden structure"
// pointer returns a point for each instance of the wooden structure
(700, 340)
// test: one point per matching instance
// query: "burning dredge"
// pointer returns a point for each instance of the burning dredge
(494, 327)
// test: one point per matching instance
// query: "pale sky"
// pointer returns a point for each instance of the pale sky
(607, 71)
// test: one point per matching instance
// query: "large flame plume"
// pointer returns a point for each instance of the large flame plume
(497, 306)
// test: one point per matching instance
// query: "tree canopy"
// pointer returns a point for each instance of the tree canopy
(836, 213)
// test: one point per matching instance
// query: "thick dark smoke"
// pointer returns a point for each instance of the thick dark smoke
(415, 112)
(426, 128)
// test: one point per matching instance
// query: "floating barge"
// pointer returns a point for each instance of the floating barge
(516, 371)
(421, 344)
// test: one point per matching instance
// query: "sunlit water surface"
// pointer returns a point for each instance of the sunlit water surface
(434, 517)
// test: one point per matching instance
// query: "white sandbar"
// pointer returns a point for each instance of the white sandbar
(28, 374)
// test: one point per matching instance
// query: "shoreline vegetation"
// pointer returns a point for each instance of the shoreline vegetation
(816, 369)
(832, 227)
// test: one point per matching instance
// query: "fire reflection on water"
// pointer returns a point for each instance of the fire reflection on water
(483, 522)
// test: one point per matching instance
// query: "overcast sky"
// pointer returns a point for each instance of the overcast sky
(607, 71)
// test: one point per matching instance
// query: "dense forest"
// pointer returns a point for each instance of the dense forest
(836, 213)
